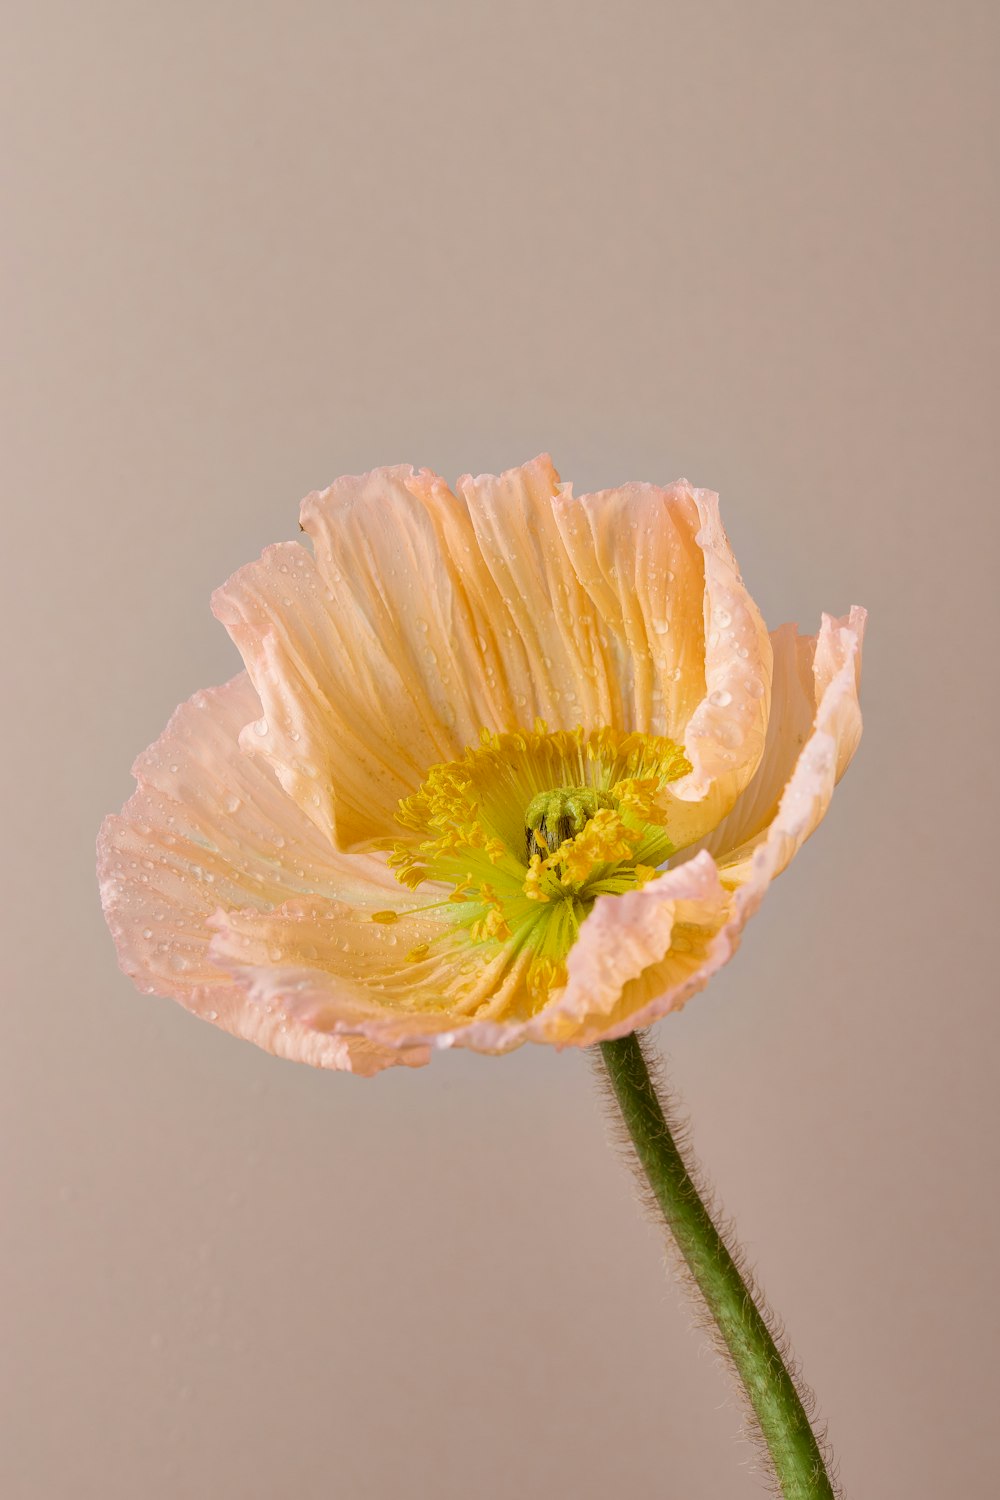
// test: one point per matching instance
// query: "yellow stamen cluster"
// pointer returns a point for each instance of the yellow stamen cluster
(528, 828)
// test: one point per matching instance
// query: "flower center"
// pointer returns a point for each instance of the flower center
(552, 817)
(527, 829)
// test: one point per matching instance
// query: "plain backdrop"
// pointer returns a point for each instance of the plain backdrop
(249, 247)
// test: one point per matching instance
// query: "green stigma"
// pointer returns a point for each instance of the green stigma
(553, 817)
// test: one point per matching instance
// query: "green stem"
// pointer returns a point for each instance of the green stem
(770, 1389)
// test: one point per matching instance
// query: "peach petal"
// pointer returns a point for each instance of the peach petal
(513, 602)
(423, 619)
(335, 937)
(330, 965)
(619, 947)
(390, 549)
(552, 649)
(724, 739)
(691, 653)
(497, 654)
(635, 553)
(647, 952)
(817, 679)
(209, 827)
(339, 729)
(790, 723)
(626, 937)
(748, 871)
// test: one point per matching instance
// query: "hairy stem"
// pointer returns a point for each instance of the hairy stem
(729, 1295)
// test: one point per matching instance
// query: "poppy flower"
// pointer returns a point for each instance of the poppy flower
(504, 765)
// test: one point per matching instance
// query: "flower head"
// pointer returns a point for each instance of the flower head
(505, 765)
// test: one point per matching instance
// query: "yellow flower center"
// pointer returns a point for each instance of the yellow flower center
(529, 828)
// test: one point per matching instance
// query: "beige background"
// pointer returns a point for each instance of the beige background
(252, 246)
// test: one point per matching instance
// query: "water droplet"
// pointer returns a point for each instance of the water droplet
(720, 698)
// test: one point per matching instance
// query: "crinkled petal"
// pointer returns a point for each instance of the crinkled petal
(625, 946)
(206, 828)
(552, 649)
(724, 738)
(394, 547)
(691, 656)
(421, 565)
(635, 552)
(331, 966)
(341, 729)
(424, 618)
(696, 941)
(644, 953)
(814, 732)
(427, 617)
(793, 712)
